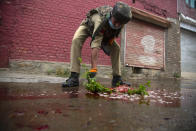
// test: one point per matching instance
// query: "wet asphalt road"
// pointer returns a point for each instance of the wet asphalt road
(170, 106)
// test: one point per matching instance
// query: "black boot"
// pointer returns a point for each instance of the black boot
(72, 81)
(117, 80)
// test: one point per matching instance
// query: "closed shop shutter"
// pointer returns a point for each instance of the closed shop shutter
(144, 45)
(188, 51)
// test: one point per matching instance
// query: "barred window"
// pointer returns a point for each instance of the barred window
(191, 3)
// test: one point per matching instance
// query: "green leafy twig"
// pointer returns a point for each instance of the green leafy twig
(96, 87)
(140, 91)
(92, 85)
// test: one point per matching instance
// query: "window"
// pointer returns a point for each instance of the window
(191, 3)
(195, 3)
(187, 1)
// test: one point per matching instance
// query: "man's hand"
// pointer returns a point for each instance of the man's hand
(92, 72)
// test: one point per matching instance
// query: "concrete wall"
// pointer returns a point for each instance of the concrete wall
(172, 49)
(52, 68)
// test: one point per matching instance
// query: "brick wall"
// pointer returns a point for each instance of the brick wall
(43, 30)
(186, 10)
(163, 8)
(4, 56)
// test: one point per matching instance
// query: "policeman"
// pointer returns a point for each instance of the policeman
(103, 25)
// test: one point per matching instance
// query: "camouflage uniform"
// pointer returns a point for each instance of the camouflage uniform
(96, 26)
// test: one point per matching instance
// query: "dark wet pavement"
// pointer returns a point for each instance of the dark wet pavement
(170, 106)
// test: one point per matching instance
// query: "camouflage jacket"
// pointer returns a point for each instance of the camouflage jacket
(104, 28)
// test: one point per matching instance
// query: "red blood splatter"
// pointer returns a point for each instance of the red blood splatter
(38, 127)
(42, 112)
(42, 127)
(58, 111)
(122, 89)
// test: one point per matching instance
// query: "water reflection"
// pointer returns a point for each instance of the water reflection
(169, 106)
(72, 91)
(162, 92)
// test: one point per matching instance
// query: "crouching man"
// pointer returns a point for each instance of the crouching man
(103, 25)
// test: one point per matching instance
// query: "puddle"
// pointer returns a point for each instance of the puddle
(170, 105)
(158, 97)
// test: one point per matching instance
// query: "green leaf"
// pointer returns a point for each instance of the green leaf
(80, 59)
(141, 90)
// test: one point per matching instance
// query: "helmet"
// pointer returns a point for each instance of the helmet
(121, 12)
